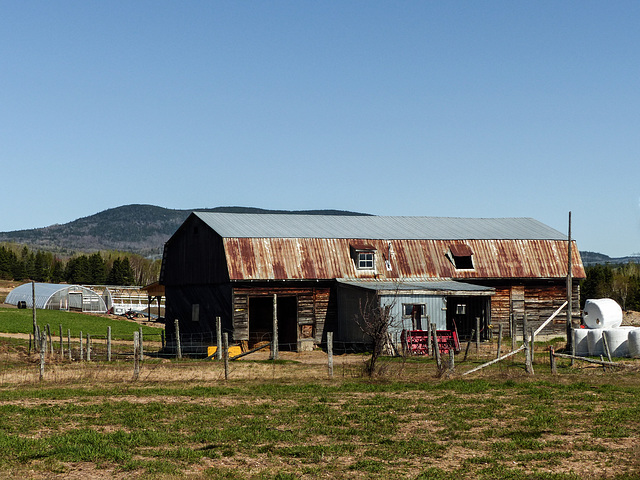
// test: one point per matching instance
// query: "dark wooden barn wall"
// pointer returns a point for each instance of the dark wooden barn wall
(315, 307)
(213, 301)
(538, 301)
(194, 255)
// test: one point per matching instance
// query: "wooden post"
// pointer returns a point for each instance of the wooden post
(37, 339)
(605, 344)
(466, 351)
(477, 335)
(569, 290)
(109, 344)
(88, 347)
(499, 340)
(81, 349)
(61, 343)
(218, 338)
(33, 309)
(136, 355)
(436, 347)
(69, 343)
(43, 341)
(528, 367)
(50, 339)
(512, 326)
(429, 350)
(162, 338)
(274, 340)
(29, 353)
(225, 350)
(573, 346)
(452, 366)
(532, 336)
(552, 361)
(140, 342)
(330, 352)
(178, 346)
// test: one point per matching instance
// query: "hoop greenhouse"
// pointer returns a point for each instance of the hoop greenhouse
(57, 297)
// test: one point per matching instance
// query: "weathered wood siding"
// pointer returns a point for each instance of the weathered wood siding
(315, 307)
(538, 301)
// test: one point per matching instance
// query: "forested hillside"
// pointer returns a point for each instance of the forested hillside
(100, 268)
(141, 229)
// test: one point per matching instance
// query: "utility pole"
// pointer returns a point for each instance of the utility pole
(569, 293)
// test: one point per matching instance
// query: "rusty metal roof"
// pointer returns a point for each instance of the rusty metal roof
(330, 258)
(242, 225)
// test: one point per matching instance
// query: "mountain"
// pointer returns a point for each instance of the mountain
(593, 258)
(141, 229)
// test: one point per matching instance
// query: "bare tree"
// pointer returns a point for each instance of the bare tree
(374, 320)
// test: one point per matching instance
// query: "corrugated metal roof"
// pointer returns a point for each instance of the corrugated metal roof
(241, 225)
(441, 285)
(313, 258)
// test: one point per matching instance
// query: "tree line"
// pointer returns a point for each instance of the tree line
(620, 282)
(100, 268)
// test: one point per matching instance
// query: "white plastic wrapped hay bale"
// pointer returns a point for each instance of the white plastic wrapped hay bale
(594, 340)
(580, 341)
(618, 340)
(634, 343)
(602, 313)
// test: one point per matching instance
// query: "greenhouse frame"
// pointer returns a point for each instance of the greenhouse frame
(53, 296)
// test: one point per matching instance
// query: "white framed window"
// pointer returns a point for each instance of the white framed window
(365, 260)
(408, 309)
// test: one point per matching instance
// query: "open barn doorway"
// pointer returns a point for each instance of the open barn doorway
(462, 313)
(261, 321)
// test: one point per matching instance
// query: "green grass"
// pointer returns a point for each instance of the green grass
(355, 429)
(21, 321)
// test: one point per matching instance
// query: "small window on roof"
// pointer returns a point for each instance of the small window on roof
(364, 256)
(461, 256)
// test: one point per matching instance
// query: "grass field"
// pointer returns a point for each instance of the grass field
(288, 420)
(13, 320)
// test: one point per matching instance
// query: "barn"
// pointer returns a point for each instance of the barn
(317, 271)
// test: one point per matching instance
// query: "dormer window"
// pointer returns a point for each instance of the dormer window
(461, 256)
(364, 256)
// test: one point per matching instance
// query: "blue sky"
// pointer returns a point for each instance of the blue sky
(464, 109)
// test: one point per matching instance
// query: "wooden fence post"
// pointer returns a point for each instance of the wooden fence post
(477, 335)
(225, 349)
(552, 361)
(140, 342)
(512, 326)
(499, 340)
(528, 367)
(274, 343)
(136, 356)
(532, 336)
(466, 350)
(43, 341)
(330, 353)
(452, 366)
(81, 349)
(50, 338)
(33, 311)
(436, 347)
(108, 343)
(69, 343)
(88, 347)
(178, 346)
(61, 343)
(605, 344)
(218, 338)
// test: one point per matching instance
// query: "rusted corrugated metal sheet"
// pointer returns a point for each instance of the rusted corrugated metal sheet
(312, 258)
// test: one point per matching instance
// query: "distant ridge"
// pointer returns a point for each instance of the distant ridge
(593, 258)
(141, 229)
